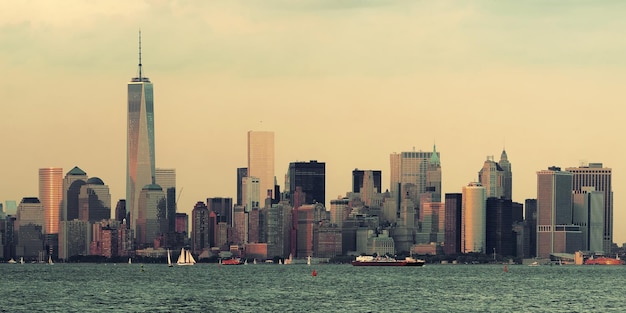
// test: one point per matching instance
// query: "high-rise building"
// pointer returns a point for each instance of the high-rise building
(140, 151)
(311, 177)
(491, 176)
(150, 213)
(10, 207)
(597, 176)
(261, 159)
(409, 174)
(359, 177)
(453, 203)
(51, 195)
(120, 210)
(507, 183)
(473, 227)
(223, 208)
(588, 213)
(530, 219)
(555, 231)
(73, 181)
(499, 227)
(166, 178)
(251, 193)
(94, 201)
(241, 173)
(200, 230)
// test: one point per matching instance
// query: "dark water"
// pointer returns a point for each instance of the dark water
(292, 288)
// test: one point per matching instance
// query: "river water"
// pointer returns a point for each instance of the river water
(293, 288)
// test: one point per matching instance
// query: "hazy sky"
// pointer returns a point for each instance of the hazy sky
(343, 82)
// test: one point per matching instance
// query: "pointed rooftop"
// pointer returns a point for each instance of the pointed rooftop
(503, 156)
(76, 171)
(434, 158)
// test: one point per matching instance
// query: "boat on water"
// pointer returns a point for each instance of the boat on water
(11, 261)
(50, 260)
(535, 263)
(21, 260)
(308, 260)
(169, 259)
(130, 261)
(368, 260)
(185, 258)
(603, 260)
(233, 261)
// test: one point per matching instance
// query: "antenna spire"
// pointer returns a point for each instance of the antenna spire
(140, 78)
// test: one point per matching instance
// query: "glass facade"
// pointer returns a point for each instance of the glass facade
(51, 195)
(140, 165)
(261, 159)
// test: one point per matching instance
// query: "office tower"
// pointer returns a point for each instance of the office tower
(51, 195)
(10, 207)
(73, 181)
(253, 225)
(140, 153)
(74, 238)
(120, 210)
(94, 201)
(433, 177)
(491, 176)
(166, 178)
(223, 208)
(240, 225)
(309, 216)
(150, 213)
(597, 176)
(358, 177)
(507, 183)
(241, 173)
(555, 231)
(261, 158)
(452, 242)
(29, 227)
(409, 174)
(474, 218)
(339, 211)
(311, 178)
(182, 223)
(199, 228)
(530, 219)
(251, 193)
(431, 227)
(499, 227)
(588, 213)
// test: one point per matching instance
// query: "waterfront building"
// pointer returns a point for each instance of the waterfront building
(555, 231)
(453, 222)
(473, 225)
(530, 220)
(311, 178)
(150, 213)
(200, 229)
(588, 213)
(261, 159)
(308, 217)
(74, 238)
(140, 150)
(600, 177)
(499, 227)
(51, 195)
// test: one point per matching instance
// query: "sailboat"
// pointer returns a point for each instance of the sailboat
(130, 261)
(308, 260)
(21, 260)
(185, 258)
(50, 260)
(169, 259)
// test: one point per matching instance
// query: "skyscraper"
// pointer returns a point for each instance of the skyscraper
(151, 211)
(166, 178)
(51, 195)
(73, 181)
(491, 176)
(409, 174)
(507, 183)
(140, 153)
(597, 176)
(241, 173)
(453, 223)
(94, 201)
(311, 177)
(473, 227)
(359, 177)
(555, 231)
(261, 159)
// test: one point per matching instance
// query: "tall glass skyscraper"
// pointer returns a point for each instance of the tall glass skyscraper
(51, 195)
(261, 159)
(140, 163)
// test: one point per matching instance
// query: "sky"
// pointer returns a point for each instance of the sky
(345, 82)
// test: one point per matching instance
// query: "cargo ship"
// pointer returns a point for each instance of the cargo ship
(368, 260)
(603, 260)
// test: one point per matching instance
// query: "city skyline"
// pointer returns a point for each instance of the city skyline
(474, 79)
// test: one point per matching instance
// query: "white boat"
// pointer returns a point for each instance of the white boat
(50, 260)
(254, 262)
(185, 258)
(11, 261)
(308, 260)
(21, 260)
(169, 259)
(534, 264)
(130, 261)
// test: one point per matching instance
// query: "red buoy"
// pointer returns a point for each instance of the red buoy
(314, 273)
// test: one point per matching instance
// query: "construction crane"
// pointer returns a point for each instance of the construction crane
(178, 198)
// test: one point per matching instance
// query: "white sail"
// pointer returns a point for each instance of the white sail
(185, 258)
(169, 258)
(50, 260)
(308, 260)
(130, 261)
(21, 260)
